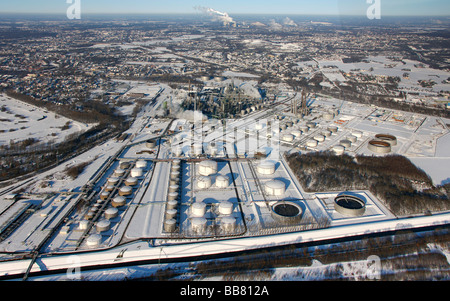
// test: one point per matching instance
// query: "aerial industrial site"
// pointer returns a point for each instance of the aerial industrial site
(206, 166)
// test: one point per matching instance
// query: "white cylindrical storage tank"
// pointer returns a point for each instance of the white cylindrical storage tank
(175, 175)
(203, 182)
(304, 128)
(222, 181)
(328, 116)
(111, 213)
(311, 143)
(351, 138)
(357, 134)
(198, 209)
(226, 208)
(326, 133)
(171, 213)
(345, 143)
(103, 225)
(319, 138)
(275, 188)
(141, 164)
(151, 143)
(296, 133)
(338, 149)
(172, 196)
(174, 188)
(124, 165)
(311, 124)
(125, 190)
(266, 168)
(136, 172)
(119, 172)
(172, 204)
(113, 180)
(175, 167)
(170, 225)
(109, 188)
(104, 195)
(333, 128)
(83, 225)
(207, 167)
(198, 224)
(288, 137)
(131, 181)
(228, 224)
(118, 201)
(94, 240)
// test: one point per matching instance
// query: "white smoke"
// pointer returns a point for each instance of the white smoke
(288, 22)
(217, 15)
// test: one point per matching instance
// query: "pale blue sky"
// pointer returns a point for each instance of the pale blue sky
(292, 7)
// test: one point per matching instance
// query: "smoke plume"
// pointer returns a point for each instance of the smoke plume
(217, 15)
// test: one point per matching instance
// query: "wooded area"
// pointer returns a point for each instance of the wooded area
(404, 188)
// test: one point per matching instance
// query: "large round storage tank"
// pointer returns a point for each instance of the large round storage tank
(124, 165)
(226, 208)
(338, 149)
(103, 225)
(228, 224)
(170, 225)
(83, 225)
(198, 224)
(141, 164)
(296, 133)
(222, 181)
(275, 188)
(104, 195)
(172, 196)
(311, 143)
(118, 201)
(171, 213)
(328, 116)
(111, 213)
(119, 172)
(266, 168)
(198, 209)
(113, 181)
(172, 204)
(125, 190)
(311, 124)
(150, 143)
(333, 128)
(288, 137)
(94, 240)
(319, 138)
(304, 128)
(203, 182)
(207, 167)
(131, 181)
(346, 143)
(352, 138)
(136, 172)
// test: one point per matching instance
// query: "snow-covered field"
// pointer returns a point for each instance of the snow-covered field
(20, 121)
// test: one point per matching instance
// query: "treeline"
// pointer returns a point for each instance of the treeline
(404, 188)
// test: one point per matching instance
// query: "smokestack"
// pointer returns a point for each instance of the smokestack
(217, 15)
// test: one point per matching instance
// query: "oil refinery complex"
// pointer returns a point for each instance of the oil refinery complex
(178, 188)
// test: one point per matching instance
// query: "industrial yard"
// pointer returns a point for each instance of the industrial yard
(176, 182)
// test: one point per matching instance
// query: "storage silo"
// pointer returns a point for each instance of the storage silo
(198, 225)
(226, 208)
(118, 201)
(266, 168)
(172, 196)
(228, 224)
(111, 213)
(311, 143)
(131, 181)
(141, 164)
(136, 172)
(94, 240)
(338, 149)
(274, 188)
(222, 181)
(207, 167)
(103, 225)
(171, 213)
(83, 225)
(204, 182)
(198, 209)
(125, 191)
(170, 225)
(172, 204)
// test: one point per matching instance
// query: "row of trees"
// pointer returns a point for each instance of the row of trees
(403, 187)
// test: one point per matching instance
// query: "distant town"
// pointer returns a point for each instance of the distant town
(146, 140)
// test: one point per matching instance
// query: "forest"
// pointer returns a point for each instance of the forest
(394, 179)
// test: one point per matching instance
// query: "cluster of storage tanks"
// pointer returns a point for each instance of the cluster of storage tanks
(118, 188)
(221, 212)
(171, 214)
(347, 142)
